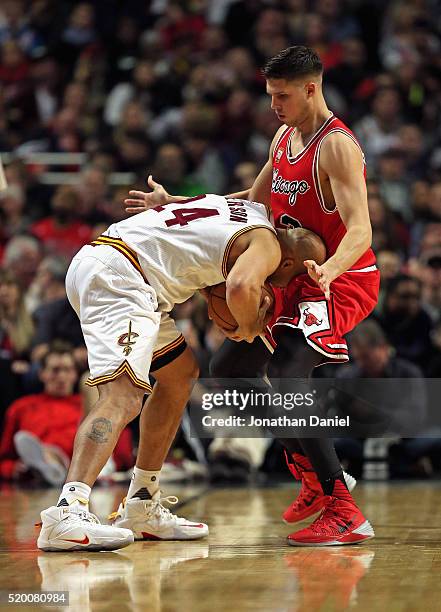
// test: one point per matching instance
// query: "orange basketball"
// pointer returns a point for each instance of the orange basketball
(218, 309)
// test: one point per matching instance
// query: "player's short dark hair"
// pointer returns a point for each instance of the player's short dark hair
(292, 63)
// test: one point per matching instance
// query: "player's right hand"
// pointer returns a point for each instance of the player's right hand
(142, 200)
(250, 333)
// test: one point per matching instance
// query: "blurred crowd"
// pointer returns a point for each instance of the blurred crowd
(175, 89)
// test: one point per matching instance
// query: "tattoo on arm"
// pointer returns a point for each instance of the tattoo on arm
(100, 428)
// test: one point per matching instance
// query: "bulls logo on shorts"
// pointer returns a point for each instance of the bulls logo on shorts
(310, 318)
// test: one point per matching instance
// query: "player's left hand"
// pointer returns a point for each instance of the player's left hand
(320, 275)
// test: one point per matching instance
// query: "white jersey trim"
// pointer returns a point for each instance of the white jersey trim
(315, 168)
(232, 240)
(367, 269)
(295, 158)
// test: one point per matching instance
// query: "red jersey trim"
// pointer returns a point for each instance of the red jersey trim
(294, 159)
(315, 171)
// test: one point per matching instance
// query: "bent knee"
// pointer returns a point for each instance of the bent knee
(183, 370)
(125, 398)
(188, 366)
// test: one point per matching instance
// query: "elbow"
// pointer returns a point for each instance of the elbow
(240, 288)
(363, 236)
(368, 237)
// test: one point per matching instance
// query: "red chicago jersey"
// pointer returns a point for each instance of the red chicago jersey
(296, 196)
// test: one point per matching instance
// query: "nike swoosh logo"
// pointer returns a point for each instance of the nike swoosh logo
(85, 540)
(346, 527)
(309, 503)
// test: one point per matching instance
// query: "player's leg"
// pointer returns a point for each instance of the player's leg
(342, 521)
(294, 359)
(162, 413)
(119, 403)
(240, 359)
(119, 323)
(69, 525)
(175, 370)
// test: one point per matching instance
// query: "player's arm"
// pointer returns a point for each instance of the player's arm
(260, 191)
(139, 201)
(342, 160)
(245, 280)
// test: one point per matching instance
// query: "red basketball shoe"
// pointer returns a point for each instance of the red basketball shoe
(341, 522)
(310, 499)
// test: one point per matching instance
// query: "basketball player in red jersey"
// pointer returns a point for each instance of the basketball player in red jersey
(314, 178)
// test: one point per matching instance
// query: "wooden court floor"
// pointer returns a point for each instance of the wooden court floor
(244, 564)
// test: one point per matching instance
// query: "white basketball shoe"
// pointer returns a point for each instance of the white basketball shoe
(150, 520)
(74, 528)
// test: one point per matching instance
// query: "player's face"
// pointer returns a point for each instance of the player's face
(290, 100)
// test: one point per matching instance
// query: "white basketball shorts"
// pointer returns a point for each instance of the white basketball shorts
(118, 314)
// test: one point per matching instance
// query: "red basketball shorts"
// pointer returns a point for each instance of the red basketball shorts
(324, 323)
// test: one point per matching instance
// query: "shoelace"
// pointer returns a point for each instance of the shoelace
(153, 507)
(156, 508)
(328, 519)
(84, 515)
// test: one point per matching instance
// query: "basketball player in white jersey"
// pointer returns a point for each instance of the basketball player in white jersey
(122, 287)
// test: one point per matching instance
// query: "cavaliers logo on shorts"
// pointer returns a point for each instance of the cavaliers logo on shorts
(126, 340)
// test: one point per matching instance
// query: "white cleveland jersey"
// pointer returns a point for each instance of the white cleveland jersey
(184, 246)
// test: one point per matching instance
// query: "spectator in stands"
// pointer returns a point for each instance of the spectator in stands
(55, 319)
(21, 257)
(351, 78)
(387, 231)
(170, 169)
(15, 26)
(93, 188)
(378, 131)
(389, 263)
(40, 429)
(13, 219)
(428, 270)
(48, 284)
(16, 334)
(16, 84)
(62, 233)
(394, 183)
(414, 148)
(374, 408)
(405, 322)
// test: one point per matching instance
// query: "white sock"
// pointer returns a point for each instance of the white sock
(74, 492)
(143, 479)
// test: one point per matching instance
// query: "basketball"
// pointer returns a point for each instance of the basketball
(218, 309)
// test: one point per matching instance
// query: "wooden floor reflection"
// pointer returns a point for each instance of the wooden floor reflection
(244, 564)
